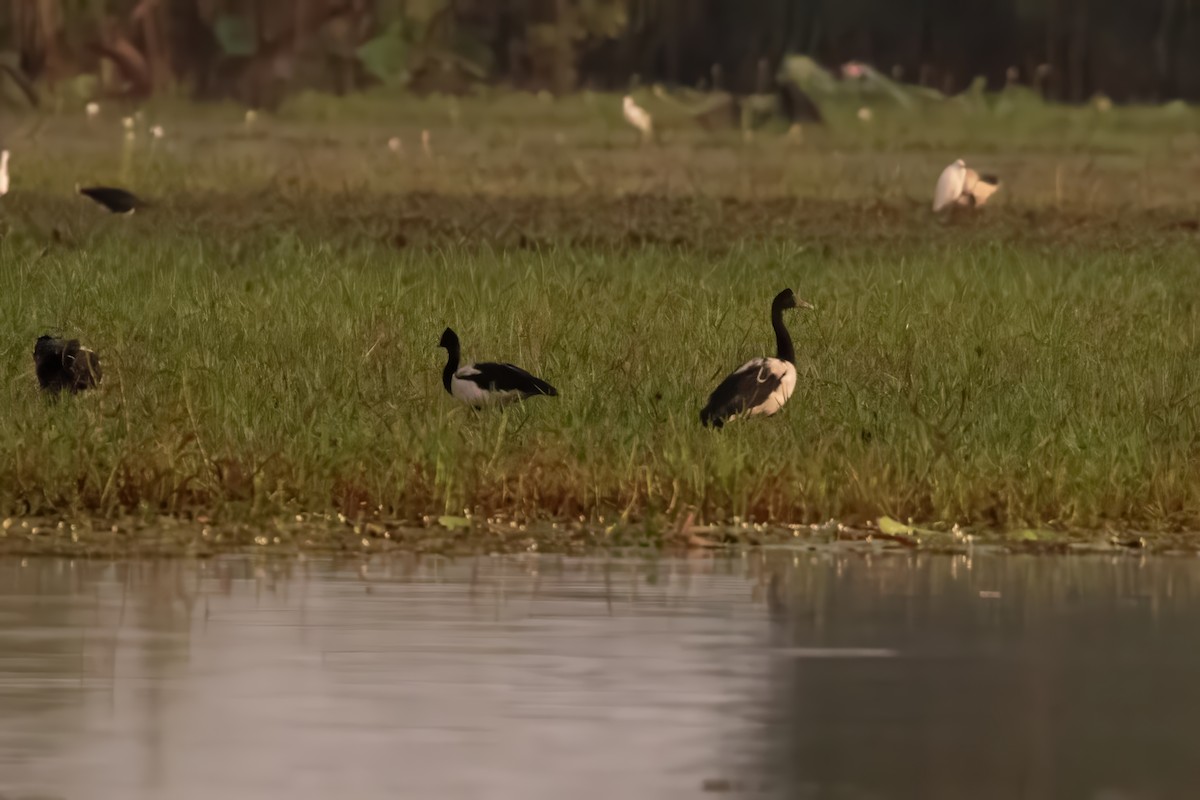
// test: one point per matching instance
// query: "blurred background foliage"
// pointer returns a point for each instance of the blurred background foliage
(257, 51)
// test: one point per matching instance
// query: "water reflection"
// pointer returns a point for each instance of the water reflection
(778, 675)
(1017, 677)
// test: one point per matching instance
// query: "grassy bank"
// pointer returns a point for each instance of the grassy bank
(268, 331)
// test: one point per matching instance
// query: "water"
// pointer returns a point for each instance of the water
(832, 675)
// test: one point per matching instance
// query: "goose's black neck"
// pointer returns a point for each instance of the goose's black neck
(784, 350)
(451, 364)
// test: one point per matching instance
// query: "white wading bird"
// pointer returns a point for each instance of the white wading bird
(3, 172)
(761, 385)
(638, 117)
(92, 109)
(962, 186)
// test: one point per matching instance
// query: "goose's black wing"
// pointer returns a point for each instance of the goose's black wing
(746, 387)
(118, 201)
(494, 377)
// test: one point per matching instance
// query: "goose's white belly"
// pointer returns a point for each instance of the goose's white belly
(787, 384)
(472, 393)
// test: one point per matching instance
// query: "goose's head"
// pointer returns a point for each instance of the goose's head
(787, 299)
(449, 339)
(44, 346)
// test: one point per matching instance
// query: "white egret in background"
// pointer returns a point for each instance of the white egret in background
(426, 144)
(92, 109)
(127, 123)
(157, 131)
(251, 117)
(395, 145)
(638, 117)
(3, 172)
(962, 186)
(864, 114)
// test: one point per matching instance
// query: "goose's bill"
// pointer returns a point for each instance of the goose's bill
(804, 304)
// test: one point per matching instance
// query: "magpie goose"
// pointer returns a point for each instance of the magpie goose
(486, 382)
(761, 385)
(118, 201)
(62, 364)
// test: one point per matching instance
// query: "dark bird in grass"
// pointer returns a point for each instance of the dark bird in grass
(118, 201)
(761, 385)
(796, 105)
(65, 365)
(487, 383)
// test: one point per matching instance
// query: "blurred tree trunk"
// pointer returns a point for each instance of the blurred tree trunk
(1166, 40)
(151, 17)
(37, 26)
(564, 66)
(1078, 54)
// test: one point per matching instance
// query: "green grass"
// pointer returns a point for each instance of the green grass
(268, 330)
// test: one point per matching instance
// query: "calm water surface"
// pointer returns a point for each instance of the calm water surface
(835, 675)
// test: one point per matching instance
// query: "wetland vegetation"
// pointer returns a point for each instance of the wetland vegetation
(268, 328)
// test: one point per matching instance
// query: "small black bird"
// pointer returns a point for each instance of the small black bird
(485, 382)
(65, 365)
(118, 201)
(796, 105)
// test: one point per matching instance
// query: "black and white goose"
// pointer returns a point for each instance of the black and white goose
(487, 383)
(761, 385)
(118, 201)
(63, 365)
